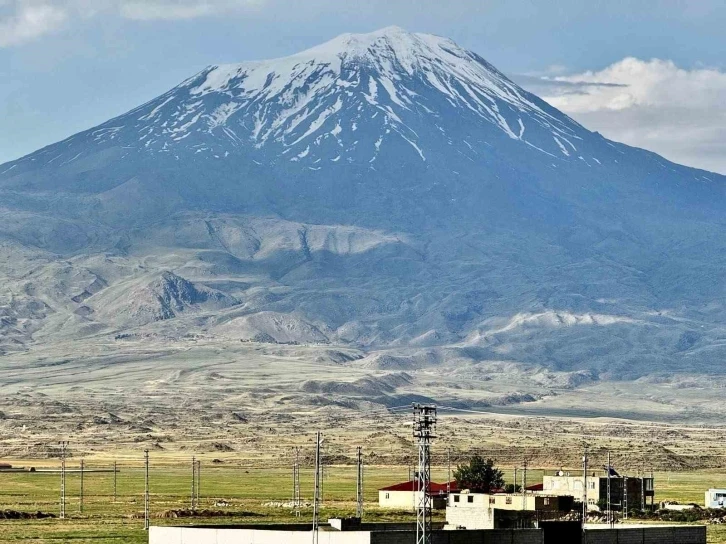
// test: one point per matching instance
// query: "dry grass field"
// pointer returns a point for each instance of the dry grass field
(249, 493)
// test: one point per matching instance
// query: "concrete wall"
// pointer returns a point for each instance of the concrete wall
(694, 534)
(210, 535)
(496, 536)
(470, 516)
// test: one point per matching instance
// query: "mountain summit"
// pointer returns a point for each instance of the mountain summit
(380, 190)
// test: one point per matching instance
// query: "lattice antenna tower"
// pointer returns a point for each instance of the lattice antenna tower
(424, 431)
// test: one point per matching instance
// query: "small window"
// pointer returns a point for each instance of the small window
(470, 498)
(547, 501)
(492, 500)
(456, 498)
(591, 485)
(388, 495)
(509, 500)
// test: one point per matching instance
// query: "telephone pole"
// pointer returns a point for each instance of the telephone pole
(524, 485)
(146, 490)
(316, 497)
(115, 471)
(194, 483)
(448, 478)
(610, 511)
(199, 479)
(584, 488)
(424, 430)
(63, 446)
(359, 486)
(80, 502)
(296, 500)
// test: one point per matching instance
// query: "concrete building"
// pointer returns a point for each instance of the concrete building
(640, 491)
(406, 495)
(497, 510)
(715, 498)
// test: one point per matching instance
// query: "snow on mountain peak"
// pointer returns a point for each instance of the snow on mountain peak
(351, 100)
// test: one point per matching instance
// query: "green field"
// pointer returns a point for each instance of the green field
(247, 489)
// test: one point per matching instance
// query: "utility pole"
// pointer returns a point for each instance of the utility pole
(199, 479)
(642, 491)
(584, 488)
(63, 446)
(624, 498)
(146, 490)
(316, 497)
(80, 502)
(610, 511)
(448, 478)
(296, 501)
(359, 486)
(194, 483)
(514, 490)
(524, 485)
(115, 471)
(424, 430)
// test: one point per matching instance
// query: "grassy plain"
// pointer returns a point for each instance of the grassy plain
(255, 495)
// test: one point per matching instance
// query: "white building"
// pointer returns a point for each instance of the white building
(406, 496)
(640, 491)
(479, 510)
(715, 498)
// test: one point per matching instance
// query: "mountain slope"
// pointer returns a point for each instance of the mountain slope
(380, 190)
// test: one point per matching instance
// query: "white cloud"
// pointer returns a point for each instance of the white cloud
(22, 21)
(146, 10)
(651, 104)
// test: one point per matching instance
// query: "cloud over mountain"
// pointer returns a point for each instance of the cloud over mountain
(652, 104)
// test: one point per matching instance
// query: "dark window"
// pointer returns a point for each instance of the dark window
(456, 498)
(470, 499)
(509, 500)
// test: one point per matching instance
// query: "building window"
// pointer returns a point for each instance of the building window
(547, 501)
(470, 498)
(591, 485)
(388, 496)
(509, 500)
(456, 498)
(492, 500)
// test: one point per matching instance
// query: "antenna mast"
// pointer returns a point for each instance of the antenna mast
(424, 430)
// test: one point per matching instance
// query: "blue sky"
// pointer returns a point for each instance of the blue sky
(66, 65)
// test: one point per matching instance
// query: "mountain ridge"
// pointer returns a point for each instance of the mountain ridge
(380, 191)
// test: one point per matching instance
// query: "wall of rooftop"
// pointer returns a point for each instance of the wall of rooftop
(647, 535)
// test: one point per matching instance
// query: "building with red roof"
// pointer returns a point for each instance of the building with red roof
(406, 495)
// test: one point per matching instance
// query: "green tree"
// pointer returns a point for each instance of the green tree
(479, 476)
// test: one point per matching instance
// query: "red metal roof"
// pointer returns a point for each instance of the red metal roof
(413, 486)
(535, 487)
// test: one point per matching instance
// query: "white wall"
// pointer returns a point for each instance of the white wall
(401, 500)
(211, 535)
(715, 498)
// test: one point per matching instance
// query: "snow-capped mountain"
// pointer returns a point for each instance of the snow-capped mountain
(383, 189)
(345, 100)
